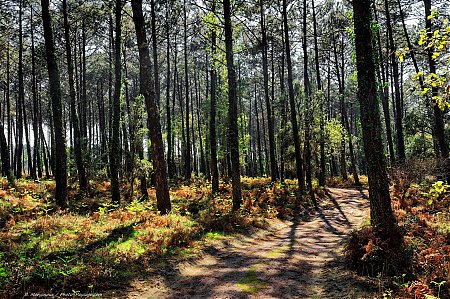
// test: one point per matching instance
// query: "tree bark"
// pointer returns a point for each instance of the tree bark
(212, 116)
(36, 152)
(395, 74)
(73, 113)
(168, 114)
(148, 91)
(233, 134)
(381, 214)
(114, 160)
(308, 110)
(56, 99)
(384, 94)
(438, 114)
(298, 155)
(187, 156)
(21, 99)
(321, 111)
(272, 150)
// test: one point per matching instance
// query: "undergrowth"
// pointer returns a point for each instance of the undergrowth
(95, 246)
(421, 269)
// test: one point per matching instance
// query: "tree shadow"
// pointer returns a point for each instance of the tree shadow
(288, 269)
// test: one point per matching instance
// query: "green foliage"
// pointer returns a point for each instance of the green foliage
(436, 191)
(335, 132)
(438, 42)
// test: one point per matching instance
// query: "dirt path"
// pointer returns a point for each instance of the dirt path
(297, 259)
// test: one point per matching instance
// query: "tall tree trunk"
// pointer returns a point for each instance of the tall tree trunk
(148, 90)
(36, 152)
(155, 52)
(308, 111)
(187, 156)
(168, 114)
(212, 116)
(199, 125)
(233, 134)
(438, 114)
(270, 123)
(384, 94)
(83, 67)
(8, 107)
(284, 119)
(298, 155)
(258, 136)
(21, 99)
(340, 79)
(27, 140)
(395, 74)
(55, 94)
(381, 214)
(73, 113)
(321, 111)
(115, 129)
(4, 153)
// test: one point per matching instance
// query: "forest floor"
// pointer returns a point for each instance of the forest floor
(273, 247)
(301, 258)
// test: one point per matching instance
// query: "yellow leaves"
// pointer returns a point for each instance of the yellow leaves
(401, 53)
(436, 55)
(436, 33)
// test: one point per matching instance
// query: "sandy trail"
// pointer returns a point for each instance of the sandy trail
(297, 259)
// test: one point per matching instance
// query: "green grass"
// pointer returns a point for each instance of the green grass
(277, 252)
(250, 284)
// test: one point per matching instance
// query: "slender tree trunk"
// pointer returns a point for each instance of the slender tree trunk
(258, 136)
(83, 102)
(340, 79)
(212, 116)
(284, 118)
(438, 113)
(21, 99)
(298, 155)
(148, 90)
(115, 129)
(270, 123)
(155, 52)
(27, 140)
(263, 126)
(308, 112)
(233, 134)
(199, 126)
(36, 155)
(321, 111)
(8, 107)
(56, 98)
(384, 94)
(73, 113)
(168, 114)
(187, 156)
(5, 156)
(399, 116)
